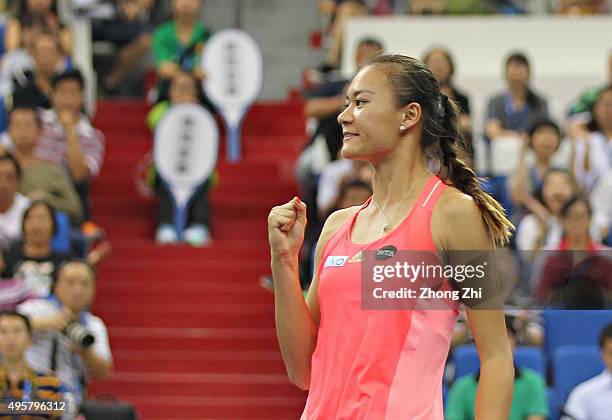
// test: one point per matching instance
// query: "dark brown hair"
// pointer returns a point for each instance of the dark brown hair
(412, 81)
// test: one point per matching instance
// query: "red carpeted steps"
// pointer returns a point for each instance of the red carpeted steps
(191, 331)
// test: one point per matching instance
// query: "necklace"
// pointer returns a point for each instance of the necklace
(387, 223)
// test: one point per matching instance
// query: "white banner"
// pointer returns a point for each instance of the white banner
(233, 64)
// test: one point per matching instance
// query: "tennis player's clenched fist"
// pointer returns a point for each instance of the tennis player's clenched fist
(286, 225)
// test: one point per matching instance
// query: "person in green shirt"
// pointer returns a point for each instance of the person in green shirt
(529, 402)
(178, 44)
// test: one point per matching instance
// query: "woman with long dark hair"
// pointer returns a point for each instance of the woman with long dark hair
(388, 363)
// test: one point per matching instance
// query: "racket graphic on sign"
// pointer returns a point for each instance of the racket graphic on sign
(233, 64)
(185, 154)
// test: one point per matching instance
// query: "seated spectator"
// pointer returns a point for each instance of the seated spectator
(184, 89)
(33, 87)
(74, 361)
(40, 180)
(128, 25)
(538, 230)
(544, 139)
(580, 112)
(33, 259)
(16, 62)
(557, 273)
(593, 154)
(332, 178)
(529, 401)
(592, 400)
(177, 44)
(46, 10)
(509, 114)
(602, 204)
(19, 381)
(338, 11)
(441, 64)
(582, 7)
(67, 135)
(12, 204)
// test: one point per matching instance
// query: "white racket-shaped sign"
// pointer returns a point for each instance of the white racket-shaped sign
(233, 64)
(185, 154)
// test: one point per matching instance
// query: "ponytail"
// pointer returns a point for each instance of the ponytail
(456, 171)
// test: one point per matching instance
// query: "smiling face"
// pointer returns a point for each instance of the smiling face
(371, 120)
(556, 191)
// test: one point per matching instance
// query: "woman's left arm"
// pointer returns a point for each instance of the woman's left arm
(457, 224)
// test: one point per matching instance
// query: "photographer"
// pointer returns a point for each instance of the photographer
(67, 337)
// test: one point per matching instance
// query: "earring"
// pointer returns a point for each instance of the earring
(402, 128)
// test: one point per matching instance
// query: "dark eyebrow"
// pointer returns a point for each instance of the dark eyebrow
(357, 92)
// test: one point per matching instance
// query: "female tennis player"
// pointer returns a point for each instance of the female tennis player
(381, 364)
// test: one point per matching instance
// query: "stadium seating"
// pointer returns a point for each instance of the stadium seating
(573, 328)
(573, 365)
(467, 361)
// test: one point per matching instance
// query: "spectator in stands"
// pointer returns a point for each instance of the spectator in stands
(184, 89)
(593, 154)
(544, 139)
(582, 7)
(553, 281)
(43, 9)
(602, 204)
(528, 403)
(12, 204)
(334, 176)
(73, 296)
(67, 135)
(538, 230)
(33, 259)
(592, 400)
(580, 113)
(40, 180)
(128, 25)
(19, 382)
(16, 62)
(177, 44)
(441, 64)
(33, 87)
(338, 11)
(511, 113)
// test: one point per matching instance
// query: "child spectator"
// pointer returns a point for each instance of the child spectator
(184, 89)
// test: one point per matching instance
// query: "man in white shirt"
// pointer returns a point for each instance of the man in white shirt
(592, 400)
(74, 360)
(12, 204)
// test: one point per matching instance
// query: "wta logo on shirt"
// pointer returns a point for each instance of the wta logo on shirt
(335, 261)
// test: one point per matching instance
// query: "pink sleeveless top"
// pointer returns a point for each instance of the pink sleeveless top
(378, 364)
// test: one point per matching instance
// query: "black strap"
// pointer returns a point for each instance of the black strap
(53, 361)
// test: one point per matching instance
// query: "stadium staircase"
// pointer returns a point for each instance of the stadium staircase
(192, 332)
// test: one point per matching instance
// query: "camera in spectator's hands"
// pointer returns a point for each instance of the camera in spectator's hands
(79, 334)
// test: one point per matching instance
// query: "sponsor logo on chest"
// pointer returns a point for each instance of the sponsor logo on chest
(335, 261)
